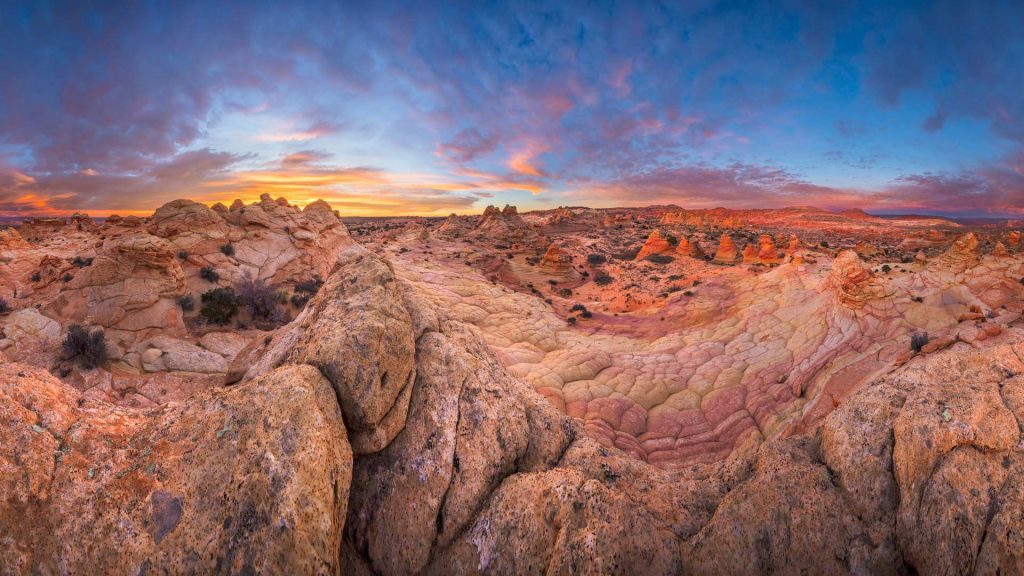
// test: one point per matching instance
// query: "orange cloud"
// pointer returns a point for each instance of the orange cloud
(525, 160)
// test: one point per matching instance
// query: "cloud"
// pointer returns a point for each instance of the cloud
(109, 107)
(467, 145)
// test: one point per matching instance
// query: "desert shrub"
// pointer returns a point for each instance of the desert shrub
(80, 262)
(182, 255)
(4, 306)
(309, 286)
(586, 314)
(571, 319)
(824, 244)
(603, 279)
(577, 307)
(565, 293)
(886, 268)
(596, 259)
(68, 277)
(1022, 280)
(660, 258)
(219, 305)
(918, 340)
(86, 349)
(917, 298)
(687, 292)
(228, 249)
(299, 300)
(553, 282)
(673, 288)
(209, 274)
(259, 298)
(672, 240)
(629, 254)
(187, 302)
(36, 277)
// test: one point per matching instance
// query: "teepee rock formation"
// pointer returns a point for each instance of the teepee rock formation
(691, 249)
(726, 250)
(767, 253)
(655, 244)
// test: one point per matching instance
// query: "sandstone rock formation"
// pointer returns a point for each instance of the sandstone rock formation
(673, 218)
(767, 253)
(963, 254)
(726, 252)
(558, 262)
(130, 289)
(250, 479)
(655, 244)
(417, 416)
(750, 253)
(918, 471)
(691, 249)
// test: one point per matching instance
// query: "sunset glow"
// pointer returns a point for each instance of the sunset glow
(390, 109)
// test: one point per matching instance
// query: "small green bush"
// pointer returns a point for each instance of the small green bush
(80, 262)
(4, 306)
(603, 279)
(596, 259)
(182, 255)
(219, 306)
(228, 249)
(36, 277)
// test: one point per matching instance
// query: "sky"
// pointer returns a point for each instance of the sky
(423, 108)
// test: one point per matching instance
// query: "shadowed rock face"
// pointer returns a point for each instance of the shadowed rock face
(460, 466)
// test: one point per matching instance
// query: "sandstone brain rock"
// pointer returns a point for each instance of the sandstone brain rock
(513, 393)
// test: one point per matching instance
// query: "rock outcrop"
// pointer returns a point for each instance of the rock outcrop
(691, 249)
(750, 253)
(461, 466)
(558, 262)
(249, 479)
(655, 244)
(726, 252)
(963, 254)
(766, 251)
(130, 289)
(853, 284)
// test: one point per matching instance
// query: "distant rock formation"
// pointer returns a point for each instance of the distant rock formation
(673, 218)
(750, 253)
(691, 249)
(726, 252)
(767, 253)
(865, 250)
(853, 283)
(962, 255)
(557, 261)
(655, 244)
(794, 244)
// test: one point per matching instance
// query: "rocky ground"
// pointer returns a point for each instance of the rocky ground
(433, 408)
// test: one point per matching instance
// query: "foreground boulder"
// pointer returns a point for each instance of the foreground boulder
(253, 479)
